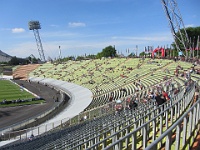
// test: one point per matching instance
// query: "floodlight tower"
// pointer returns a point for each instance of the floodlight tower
(176, 23)
(35, 25)
(59, 57)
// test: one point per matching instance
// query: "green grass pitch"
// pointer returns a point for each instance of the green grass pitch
(11, 91)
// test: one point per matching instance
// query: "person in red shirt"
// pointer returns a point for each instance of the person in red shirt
(165, 95)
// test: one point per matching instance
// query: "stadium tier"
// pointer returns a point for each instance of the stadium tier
(113, 82)
(22, 72)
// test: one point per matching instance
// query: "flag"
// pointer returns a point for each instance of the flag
(151, 48)
(145, 50)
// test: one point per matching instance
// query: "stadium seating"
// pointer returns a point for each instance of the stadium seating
(22, 72)
(101, 127)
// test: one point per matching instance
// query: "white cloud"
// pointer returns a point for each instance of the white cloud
(93, 44)
(76, 24)
(23, 49)
(18, 30)
(145, 38)
(189, 25)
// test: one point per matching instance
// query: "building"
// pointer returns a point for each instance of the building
(4, 57)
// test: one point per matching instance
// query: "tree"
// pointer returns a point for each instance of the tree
(80, 58)
(142, 54)
(131, 55)
(91, 56)
(14, 61)
(108, 51)
(193, 33)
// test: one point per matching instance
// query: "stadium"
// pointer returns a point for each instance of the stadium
(88, 117)
(114, 102)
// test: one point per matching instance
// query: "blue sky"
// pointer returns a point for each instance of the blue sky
(88, 26)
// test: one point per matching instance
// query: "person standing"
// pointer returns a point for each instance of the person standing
(159, 100)
(165, 95)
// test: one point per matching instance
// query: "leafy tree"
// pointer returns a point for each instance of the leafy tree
(91, 56)
(131, 55)
(14, 61)
(108, 51)
(193, 33)
(80, 58)
(142, 54)
(99, 55)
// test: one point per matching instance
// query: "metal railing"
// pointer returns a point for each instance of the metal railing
(143, 115)
(185, 129)
(66, 122)
(123, 139)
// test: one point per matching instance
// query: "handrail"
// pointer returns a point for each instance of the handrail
(139, 128)
(114, 134)
(195, 112)
(13, 127)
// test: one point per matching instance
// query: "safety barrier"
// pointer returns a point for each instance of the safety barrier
(182, 133)
(91, 114)
(120, 128)
(124, 138)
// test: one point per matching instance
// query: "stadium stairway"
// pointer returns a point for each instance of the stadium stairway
(22, 72)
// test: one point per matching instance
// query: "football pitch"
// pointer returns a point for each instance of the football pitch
(14, 95)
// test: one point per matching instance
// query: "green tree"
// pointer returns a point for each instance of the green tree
(131, 55)
(91, 56)
(142, 54)
(193, 33)
(80, 58)
(14, 61)
(108, 51)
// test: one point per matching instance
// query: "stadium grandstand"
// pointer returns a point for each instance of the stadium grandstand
(113, 104)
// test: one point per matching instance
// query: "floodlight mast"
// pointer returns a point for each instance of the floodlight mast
(176, 22)
(35, 25)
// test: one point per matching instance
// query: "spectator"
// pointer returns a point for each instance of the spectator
(175, 59)
(165, 95)
(196, 93)
(85, 117)
(118, 106)
(133, 104)
(31, 137)
(110, 98)
(159, 99)
(176, 90)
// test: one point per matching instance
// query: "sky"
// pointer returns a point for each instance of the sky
(80, 27)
